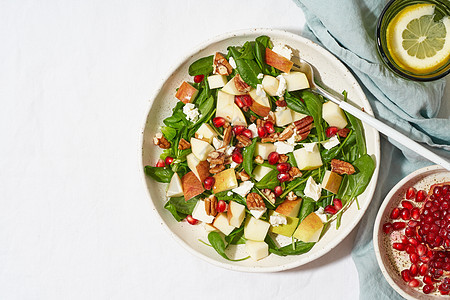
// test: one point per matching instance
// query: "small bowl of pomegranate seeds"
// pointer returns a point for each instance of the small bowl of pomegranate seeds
(412, 234)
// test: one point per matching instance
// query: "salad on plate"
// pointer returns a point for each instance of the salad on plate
(255, 157)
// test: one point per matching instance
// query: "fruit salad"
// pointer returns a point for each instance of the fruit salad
(422, 225)
(255, 157)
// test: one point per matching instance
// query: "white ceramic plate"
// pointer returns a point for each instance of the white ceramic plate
(391, 261)
(333, 73)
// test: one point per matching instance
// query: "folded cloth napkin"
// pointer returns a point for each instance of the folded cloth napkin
(347, 28)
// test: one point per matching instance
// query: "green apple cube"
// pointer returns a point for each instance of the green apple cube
(334, 115)
(264, 149)
(270, 85)
(221, 223)
(285, 229)
(308, 160)
(235, 213)
(283, 117)
(309, 229)
(231, 89)
(206, 133)
(256, 230)
(175, 187)
(296, 81)
(260, 171)
(200, 148)
(217, 81)
(263, 100)
(257, 250)
(224, 107)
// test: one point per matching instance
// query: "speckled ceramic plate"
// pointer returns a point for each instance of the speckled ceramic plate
(391, 261)
(333, 73)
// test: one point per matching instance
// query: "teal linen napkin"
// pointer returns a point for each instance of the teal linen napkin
(347, 28)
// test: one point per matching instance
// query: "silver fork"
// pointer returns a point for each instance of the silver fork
(308, 69)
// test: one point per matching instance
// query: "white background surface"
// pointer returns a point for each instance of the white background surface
(75, 218)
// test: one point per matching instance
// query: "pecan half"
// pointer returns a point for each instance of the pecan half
(294, 172)
(183, 144)
(243, 175)
(291, 196)
(342, 167)
(216, 158)
(271, 138)
(227, 135)
(287, 133)
(270, 195)
(241, 85)
(211, 205)
(259, 159)
(302, 136)
(244, 140)
(343, 132)
(255, 202)
(214, 169)
(304, 124)
(283, 158)
(160, 141)
(221, 66)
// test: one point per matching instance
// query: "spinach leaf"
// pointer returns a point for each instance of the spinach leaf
(159, 174)
(292, 159)
(169, 132)
(358, 182)
(218, 244)
(358, 129)
(269, 181)
(247, 51)
(247, 155)
(314, 106)
(265, 41)
(183, 206)
(328, 155)
(295, 104)
(308, 206)
(202, 66)
(296, 248)
(236, 237)
(177, 215)
(248, 69)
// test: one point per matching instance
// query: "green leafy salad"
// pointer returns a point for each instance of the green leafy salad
(255, 157)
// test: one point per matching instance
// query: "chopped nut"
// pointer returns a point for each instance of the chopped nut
(241, 85)
(302, 136)
(271, 138)
(270, 117)
(227, 135)
(244, 140)
(183, 144)
(221, 66)
(255, 202)
(283, 158)
(160, 141)
(259, 123)
(253, 118)
(343, 132)
(342, 167)
(281, 103)
(226, 125)
(211, 205)
(287, 133)
(291, 196)
(214, 169)
(243, 175)
(270, 195)
(294, 172)
(216, 158)
(259, 159)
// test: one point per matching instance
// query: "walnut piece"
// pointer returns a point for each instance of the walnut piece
(211, 205)
(259, 159)
(241, 85)
(183, 144)
(270, 195)
(214, 169)
(243, 175)
(294, 172)
(341, 167)
(271, 138)
(283, 158)
(255, 202)
(216, 158)
(221, 66)
(291, 196)
(160, 141)
(244, 140)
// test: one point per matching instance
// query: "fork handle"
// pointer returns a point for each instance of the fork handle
(397, 136)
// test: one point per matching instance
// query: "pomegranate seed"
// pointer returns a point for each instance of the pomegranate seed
(219, 121)
(238, 129)
(423, 270)
(399, 246)
(437, 191)
(248, 133)
(414, 258)
(209, 182)
(269, 127)
(191, 220)
(407, 204)
(415, 213)
(405, 214)
(421, 195)
(410, 232)
(427, 279)
(273, 157)
(404, 239)
(410, 193)
(168, 160)
(262, 132)
(236, 156)
(239, 102)
(221, 206)
(248, 101)
(414, 270)
(331, 131)
(160, 164)
(406, 275)
(399, 225)
(198, 78)
(395, 213)
(330, 209)
(283, 167)
(413, 242)
(421, 250)
(282, 177)
(410, 249)
(414, 283)
(278, 190)
(337, 204)
(428, 288)
(387, 228)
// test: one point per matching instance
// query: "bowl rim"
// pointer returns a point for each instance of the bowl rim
(242, 32)
(386, 60)
(377, 224)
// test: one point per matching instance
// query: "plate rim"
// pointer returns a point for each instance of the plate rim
(244, 32)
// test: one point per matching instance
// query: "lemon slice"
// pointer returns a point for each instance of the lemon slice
(416, 42)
